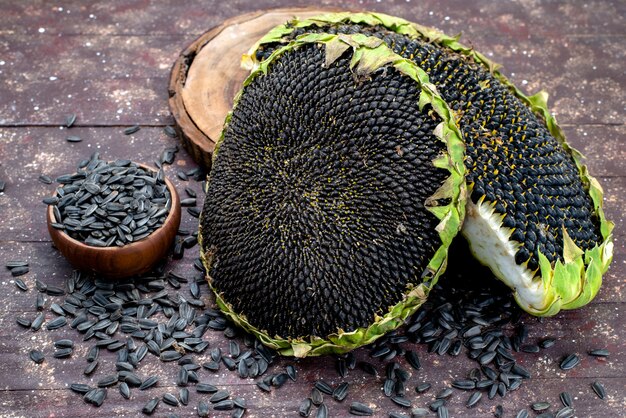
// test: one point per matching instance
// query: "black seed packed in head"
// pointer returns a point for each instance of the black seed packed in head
(372, 191)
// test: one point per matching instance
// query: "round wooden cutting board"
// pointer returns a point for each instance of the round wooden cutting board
(207, 75)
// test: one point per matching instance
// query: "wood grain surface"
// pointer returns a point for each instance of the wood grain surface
(109, 63)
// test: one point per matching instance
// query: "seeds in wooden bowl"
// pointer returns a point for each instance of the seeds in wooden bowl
(109, 204)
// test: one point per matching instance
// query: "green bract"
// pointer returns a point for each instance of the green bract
(367, 55)
(543, 283)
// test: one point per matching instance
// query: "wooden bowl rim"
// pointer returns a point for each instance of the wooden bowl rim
(156, 235)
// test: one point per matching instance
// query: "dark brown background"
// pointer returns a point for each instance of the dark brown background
(109, 63)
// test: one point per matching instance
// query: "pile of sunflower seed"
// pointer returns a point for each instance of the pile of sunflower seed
(151, 315)
(108, 204)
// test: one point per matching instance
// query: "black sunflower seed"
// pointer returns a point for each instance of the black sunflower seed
(341, 367)
(170, 399)
(211, 365)
(96, 396)
(433, 406)
(316, 396)
(170, 355)
(422, 387)
(37, 356)
(54, 291)
(601, 352)
(368, 368)
(205, 388)
(170, 131)
(444, 393)
(486, 358)
(91, 367)
(357, 408)
(131, 130)
(203, 409)
(464, 384)
(263, 386)
(80, 388)
(413, 359)
(322, 411)
(473, 399)
(124, 390)
(540, 406)
(15, 263)
(242, 369)
(388, 387)
(599, 390)
(565, 412)
(547, 342)
(419, 412)
(219, 396)
(522, 414)
(63, 352)
(21, 285)
(401, 401)
(149, 382)
(442, 412)
(341, 391)
(566, 399)
(240, 402)
(93, 353)
(69, 120)
(151, 405)
(107, 381)
(183, 396)
(499, 411)
(23, 322)
(304, 410)
(520, 371)
(64, 343)
(19, 271)
(291, 372)
(280, 379)
(225, 405)
(569, 362)
(324, 387)
(530, 348)
(56, 323)
(37, 322)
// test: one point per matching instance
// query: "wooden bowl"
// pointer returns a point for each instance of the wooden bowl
(207, 75)
(129, 260)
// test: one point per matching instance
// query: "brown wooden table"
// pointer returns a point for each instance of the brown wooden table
(109, 62)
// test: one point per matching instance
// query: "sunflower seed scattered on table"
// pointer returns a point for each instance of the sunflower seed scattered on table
(69, 120)
(131, 130)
